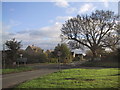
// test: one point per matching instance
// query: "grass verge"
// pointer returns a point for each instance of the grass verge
(112, 64)
(77, 78)
(18, 69)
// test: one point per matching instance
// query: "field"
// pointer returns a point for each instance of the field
(77, 78)
(15, 70)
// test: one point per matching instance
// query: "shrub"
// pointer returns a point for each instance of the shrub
(53, 60)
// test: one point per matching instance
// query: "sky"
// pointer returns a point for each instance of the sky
(39, 23)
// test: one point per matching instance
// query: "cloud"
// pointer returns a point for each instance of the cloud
(86, 7)
(0, 35)
(106, 4)
(51, 21)
(7, 28)
(47, 32)
(62, 18)
(61, 3)
(46, 37)
(12, 23)
(71, 10)
(5, 32)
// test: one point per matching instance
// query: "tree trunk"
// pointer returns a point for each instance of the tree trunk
(94, 54)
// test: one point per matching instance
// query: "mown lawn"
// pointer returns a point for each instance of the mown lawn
(77, 78)
(15, 70)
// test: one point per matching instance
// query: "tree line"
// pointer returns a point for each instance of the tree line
(13, 52)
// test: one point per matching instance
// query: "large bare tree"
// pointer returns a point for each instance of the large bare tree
(95, 31)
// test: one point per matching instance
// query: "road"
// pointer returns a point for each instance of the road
(10, 80)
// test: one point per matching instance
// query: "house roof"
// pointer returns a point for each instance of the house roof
(78, 51)
(34, 47)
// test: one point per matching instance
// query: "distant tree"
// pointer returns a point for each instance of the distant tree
(64, 52)
(95, 31)
(13, 46)
(48, 53)
(42, 58)
(36, 57)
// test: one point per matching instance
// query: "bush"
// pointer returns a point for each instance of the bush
(76, 59)
(65, 54)
(111, 56)
(53, 60)
(42, 58)
(35, 58)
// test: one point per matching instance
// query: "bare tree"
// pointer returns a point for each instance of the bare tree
(95, 31)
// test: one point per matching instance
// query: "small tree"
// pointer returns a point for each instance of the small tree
(65, 52)
(13, 46)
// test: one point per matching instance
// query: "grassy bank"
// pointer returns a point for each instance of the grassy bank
(77, 78)
(15, 70)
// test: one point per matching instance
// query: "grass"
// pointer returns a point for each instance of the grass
(102, 63)
(77, 78)
(15, 70)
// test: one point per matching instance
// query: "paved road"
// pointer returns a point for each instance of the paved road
(10, 80)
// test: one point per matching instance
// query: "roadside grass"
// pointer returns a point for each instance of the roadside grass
(17, 69)
(77, 78)
(29, 67)
(112, 64)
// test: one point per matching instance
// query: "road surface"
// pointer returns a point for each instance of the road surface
(9, 80)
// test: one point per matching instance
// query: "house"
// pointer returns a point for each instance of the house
(33, 49)
(78, 53)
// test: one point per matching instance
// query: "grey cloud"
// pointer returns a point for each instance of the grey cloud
(46, 37)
